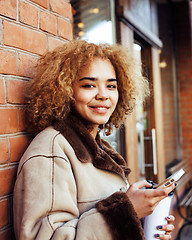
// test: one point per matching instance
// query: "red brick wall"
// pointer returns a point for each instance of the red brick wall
(183, 26)
(175, 21)
(27, 30)
(176, 29)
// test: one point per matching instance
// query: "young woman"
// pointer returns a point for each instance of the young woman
(70, 183)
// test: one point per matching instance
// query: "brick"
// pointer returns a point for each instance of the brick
(48, 22)
(22, 120)
(2, 91)
(8, 62)
(1, 31)
(4, 151)
(64, 29)
(8, 121)
(7, 177)
(24, 38)
(25, 65)
(28, 14)
(15, 91)
(18, 145)
(42, 3)
(8, 8)
(4, 213)
(61, 7)
(54, 42)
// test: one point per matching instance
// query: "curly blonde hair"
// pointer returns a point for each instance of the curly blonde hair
(50, 92)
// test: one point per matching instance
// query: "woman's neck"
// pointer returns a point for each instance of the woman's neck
(93, 129)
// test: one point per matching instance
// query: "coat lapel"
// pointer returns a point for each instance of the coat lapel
(88, 149)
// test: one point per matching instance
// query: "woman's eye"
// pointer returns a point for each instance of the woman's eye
(111, 86)
(88, 86)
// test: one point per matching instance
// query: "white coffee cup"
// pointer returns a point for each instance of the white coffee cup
(157, 218)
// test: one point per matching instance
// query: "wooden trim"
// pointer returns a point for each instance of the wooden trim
(126, 35)
(131, 140)
(158, 112)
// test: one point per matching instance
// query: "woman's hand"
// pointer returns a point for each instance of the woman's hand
(168, 228)
(145, 200)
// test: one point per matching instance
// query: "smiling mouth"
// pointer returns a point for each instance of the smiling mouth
(99, 109)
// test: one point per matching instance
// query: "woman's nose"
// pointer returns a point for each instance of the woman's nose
(102, 94)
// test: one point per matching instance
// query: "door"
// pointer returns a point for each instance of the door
(145, 124)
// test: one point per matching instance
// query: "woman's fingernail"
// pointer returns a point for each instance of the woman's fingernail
(159, 227)
(168, 218)
(157, 235)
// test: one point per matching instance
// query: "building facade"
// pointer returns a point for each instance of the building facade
(156, 139)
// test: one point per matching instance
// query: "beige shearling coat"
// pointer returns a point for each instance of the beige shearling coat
(68, 187)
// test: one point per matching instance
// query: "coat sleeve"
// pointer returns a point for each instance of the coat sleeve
(120, 216)
(45, 199)
(113, 218)
(46, 207)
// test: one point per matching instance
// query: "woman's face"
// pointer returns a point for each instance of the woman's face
(95, 92)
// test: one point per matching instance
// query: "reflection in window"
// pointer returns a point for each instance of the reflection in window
(94, 20)
(100, 33)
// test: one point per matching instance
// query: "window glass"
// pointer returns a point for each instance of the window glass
(94, 20)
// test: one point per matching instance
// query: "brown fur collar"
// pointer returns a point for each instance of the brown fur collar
(88, 149)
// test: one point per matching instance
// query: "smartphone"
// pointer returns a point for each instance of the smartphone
(172, 179)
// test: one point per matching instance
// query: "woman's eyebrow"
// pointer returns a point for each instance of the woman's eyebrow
(94, 79)
(87, 78)
(112, 80)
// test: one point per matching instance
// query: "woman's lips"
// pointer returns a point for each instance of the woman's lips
(100, 109)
